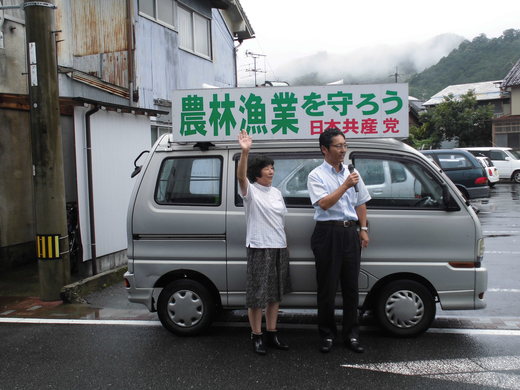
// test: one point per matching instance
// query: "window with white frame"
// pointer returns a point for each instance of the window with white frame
(162, 11)
(194, 32)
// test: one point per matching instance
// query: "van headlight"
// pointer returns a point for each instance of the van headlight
(480, 250)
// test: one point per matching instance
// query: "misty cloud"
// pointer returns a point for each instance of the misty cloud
(374, 64)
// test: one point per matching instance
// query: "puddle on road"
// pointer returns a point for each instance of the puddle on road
(32, 307)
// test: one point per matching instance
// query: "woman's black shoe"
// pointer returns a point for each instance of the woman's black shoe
(258, 343)
(272, 340)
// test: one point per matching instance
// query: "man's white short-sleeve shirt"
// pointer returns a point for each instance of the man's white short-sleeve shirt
(322, 181)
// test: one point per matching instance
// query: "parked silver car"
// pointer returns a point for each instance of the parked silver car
(186, 234)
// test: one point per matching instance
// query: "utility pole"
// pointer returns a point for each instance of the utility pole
(48, 177)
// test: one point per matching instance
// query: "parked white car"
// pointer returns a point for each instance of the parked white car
(506, 160)
(491, 170)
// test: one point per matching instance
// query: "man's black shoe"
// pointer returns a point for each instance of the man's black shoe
(326, 345)
(272, 340)
(354, 345)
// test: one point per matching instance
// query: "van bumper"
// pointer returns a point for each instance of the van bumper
(466, 299)
(139, 295)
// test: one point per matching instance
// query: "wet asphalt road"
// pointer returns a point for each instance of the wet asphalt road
(500, 219)
(145, 356)
(148, 357)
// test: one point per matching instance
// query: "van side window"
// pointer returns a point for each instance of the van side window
(372, 172)
(449, 161)
(398, 183)
(290, 177)
(190, 181)
(497, 155)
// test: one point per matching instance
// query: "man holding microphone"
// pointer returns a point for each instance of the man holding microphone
(339, 198)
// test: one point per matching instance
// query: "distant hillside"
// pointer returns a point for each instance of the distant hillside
(482, 59)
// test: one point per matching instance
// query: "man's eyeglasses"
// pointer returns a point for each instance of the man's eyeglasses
(340, 146)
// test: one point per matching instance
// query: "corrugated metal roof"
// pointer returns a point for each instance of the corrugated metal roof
(95, 82)
(486, 90)
(21, 102)
(513, 77)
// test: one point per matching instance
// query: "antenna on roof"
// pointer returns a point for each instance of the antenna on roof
(396, 74)
(255, 70)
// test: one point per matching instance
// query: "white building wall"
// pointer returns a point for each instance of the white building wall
(515, 101)
(117, 139)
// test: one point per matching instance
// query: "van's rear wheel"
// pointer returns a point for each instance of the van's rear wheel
(405, 308)
(185, 307)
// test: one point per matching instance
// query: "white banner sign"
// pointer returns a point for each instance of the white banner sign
(359, 111)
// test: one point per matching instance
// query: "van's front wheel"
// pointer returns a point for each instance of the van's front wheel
(185, 307)
(405, 308)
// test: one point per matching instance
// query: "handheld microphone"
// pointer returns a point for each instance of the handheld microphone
(351, 170)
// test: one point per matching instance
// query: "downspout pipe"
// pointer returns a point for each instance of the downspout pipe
(235, 61)
(91, 188)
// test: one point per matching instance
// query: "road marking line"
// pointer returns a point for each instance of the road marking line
(502, 252)
(478, 370)
(490, 332)
(500, 231)
(58, 321)
(514, 290)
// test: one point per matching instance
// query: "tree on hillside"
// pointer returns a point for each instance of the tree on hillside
(462, 119)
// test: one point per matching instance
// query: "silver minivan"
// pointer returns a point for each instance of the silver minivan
(186, 234)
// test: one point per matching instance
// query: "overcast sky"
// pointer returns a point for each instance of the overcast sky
(289, 29)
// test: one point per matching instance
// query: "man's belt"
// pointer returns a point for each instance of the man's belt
(338, 223)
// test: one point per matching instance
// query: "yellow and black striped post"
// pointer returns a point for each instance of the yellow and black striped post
(48, 246)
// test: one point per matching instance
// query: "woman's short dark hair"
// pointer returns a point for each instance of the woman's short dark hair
(327, 135)
(255, 166)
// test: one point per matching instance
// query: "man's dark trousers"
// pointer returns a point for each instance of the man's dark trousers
(337, 251)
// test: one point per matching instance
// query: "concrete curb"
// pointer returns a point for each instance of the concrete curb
(74, 293)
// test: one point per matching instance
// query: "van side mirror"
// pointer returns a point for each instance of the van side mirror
(507, 158)
(137, 168)
(136, 171)
(449, 202)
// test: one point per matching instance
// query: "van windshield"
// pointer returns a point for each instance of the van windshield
(515, 154)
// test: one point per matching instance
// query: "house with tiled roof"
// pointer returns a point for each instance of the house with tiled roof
(506, 128)
(486, 92)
